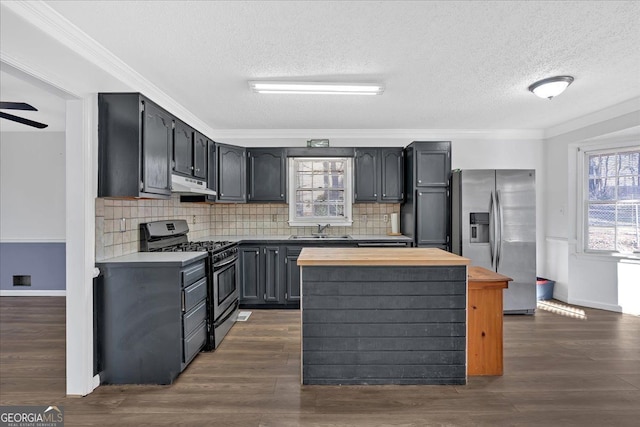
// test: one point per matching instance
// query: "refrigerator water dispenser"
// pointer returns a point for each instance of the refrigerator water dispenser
(479, 223)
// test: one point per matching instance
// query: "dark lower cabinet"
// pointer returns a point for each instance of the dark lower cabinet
(152, 319)
(250, 275)
(264, 276)
(292, 275)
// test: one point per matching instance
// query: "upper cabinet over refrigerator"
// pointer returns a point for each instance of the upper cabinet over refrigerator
(494, 224)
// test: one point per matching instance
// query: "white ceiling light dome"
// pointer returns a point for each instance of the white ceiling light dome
(550, 87)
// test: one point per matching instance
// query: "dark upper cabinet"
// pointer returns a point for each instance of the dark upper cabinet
(183, 149)
(200, 155)
(433, 163)
(392, 175)
(135, 141)
(231, 173)
(189, 151)
(367, 174)
(379, 175)
(266, 175)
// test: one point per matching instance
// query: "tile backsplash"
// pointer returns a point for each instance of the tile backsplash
(271, 219)
(117, 221)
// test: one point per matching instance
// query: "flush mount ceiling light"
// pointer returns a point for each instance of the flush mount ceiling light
(317, 88)
(553, 86)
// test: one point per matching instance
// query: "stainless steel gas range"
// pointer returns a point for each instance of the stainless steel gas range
(222, 271)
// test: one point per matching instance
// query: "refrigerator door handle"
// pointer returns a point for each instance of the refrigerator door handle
(492, 229)
(499, 230)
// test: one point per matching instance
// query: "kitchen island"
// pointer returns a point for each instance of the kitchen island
(383, 316)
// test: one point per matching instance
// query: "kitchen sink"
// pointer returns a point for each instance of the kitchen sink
(320, 237)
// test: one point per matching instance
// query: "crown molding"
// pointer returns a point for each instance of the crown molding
(407, 134)
(52, 23)
(627, 107)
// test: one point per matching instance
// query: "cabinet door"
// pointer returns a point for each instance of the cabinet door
(392, 165)
(183, 149)
(156, 150)
(366, 175)
(200, 143)
(292, 276)
(250, 274)
(211, 169)
(433, 216)
(272, 274)
(433, 164)
(231, 173)
(267, 175)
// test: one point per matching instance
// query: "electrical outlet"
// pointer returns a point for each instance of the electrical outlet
(193, 220)
(274, 218)
(363, 218)
(385, 218)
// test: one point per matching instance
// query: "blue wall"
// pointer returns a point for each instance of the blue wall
(45, 262)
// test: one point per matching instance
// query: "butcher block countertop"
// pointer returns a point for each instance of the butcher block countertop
(481, 278)
(379, 257)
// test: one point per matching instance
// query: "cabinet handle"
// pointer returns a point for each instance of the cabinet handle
(384, 195)
(182, 302)
(282, 195)
(197, 169)
(375, 194)
(286, 296)
(265, 297)
(276, 252)
(420, 180)
(221, 194)
(191, 167)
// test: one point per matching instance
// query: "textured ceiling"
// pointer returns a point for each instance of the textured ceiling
(445, 65)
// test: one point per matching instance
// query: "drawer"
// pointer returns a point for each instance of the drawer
(193, 273)
(193, 318)
(194, 294)
(194, 342)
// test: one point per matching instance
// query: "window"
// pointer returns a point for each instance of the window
(320, 191)
(612, 200)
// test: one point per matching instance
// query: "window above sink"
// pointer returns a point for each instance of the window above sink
(320, 191)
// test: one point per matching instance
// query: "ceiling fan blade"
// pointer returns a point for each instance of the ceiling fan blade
(22, 120)
(17, 106)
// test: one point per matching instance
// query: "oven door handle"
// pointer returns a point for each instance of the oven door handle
(232, 311)
(226, 262)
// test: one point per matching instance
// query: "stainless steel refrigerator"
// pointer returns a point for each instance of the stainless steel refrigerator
(494, 225)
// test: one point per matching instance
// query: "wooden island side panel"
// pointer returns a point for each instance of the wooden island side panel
(384, 324)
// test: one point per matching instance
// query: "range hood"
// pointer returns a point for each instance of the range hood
(181, 184)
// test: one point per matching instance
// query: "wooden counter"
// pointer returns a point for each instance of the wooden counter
(383, 316)
(484, 320)
(379, 256)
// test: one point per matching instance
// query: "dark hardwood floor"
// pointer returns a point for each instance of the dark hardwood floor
(560, 370)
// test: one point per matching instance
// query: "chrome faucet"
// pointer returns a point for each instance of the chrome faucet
(322, 229)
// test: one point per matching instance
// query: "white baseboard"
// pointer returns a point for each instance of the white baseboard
(13, 293)
(595, 304)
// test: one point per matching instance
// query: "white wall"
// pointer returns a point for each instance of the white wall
(32, 186)
(583, 279)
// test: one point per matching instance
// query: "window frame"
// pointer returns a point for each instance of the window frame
(345, 221)
(584, 153)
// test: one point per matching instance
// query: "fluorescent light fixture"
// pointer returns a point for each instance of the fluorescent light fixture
(553, 86)
(320, 88)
